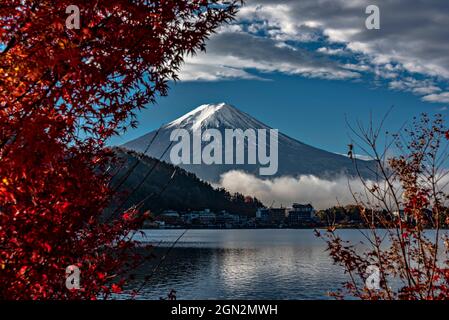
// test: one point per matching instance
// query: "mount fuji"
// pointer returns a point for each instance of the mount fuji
(295, 157)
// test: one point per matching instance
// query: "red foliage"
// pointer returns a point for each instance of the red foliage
(63, 93)
(406, 197)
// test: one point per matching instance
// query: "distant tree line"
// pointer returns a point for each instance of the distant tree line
(340, 214)
(354, 214)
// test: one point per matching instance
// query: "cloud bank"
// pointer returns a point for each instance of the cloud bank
(328, 39)
(321, 193)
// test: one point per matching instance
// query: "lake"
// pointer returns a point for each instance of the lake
(242, 264)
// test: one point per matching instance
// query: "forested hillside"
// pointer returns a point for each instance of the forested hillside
(159, 186)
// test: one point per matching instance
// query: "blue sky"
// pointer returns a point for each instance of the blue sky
(301, 66)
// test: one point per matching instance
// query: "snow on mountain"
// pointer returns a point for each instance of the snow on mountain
(210, 116)
(295, 157)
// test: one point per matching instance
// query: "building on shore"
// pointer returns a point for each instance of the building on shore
(278, 215)
(169, 217)
(263, 215)
(227, 220)
(204, 217)
(170, 214)
(271, 216)
(300, 214)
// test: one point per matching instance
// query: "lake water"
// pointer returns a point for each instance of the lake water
(242, 264)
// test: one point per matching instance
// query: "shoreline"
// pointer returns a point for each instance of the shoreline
(274, 228)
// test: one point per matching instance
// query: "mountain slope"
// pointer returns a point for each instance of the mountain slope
(295, 157)
(169, 187)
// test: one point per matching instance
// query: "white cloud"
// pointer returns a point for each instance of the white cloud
(426, 90)
(332, 52)
(319, 192)
(413, 35)
(437, 97)
(227, 58)
(343, 35)
(418, 87)
(273, 36)
(197, 70)
(357, 67)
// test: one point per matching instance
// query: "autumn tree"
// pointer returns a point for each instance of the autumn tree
(63, 93)
(404, 206)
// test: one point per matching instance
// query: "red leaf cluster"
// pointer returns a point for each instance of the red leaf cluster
(63, 93)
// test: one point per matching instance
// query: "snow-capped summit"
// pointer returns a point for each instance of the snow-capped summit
(295, 158)
(220, 115)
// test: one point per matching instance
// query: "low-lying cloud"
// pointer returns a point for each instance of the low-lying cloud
(321, 193)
